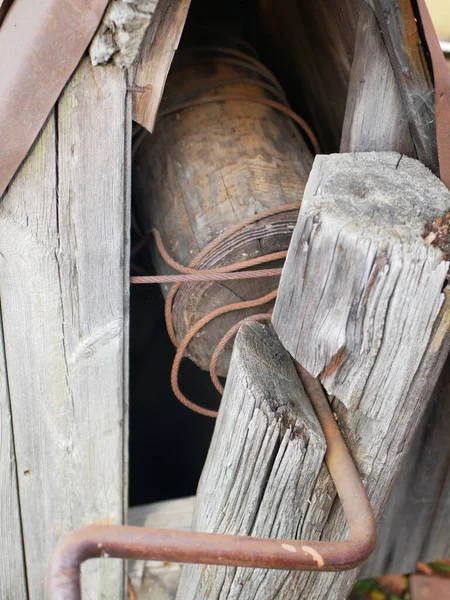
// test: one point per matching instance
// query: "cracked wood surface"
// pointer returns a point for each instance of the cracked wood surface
(360, 303)
(416, 521)
(121, 32)
(63, 240)
(262, 468)
(12, 567)
(400, 30)
(157, 52)
(375, 117)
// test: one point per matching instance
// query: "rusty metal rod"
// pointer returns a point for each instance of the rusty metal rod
(189, 277)
(121, 541)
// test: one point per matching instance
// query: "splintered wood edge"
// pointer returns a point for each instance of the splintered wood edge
(375, 117)
(267, 451)
(121, 32)
(361, 288)
(157, 52)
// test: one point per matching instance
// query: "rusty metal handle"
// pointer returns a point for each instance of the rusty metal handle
(121, 541)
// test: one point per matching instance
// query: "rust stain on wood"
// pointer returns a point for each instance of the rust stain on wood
(334, 363)
(437, 234)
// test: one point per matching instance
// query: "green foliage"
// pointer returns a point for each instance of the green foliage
(440, 567)
(365, 585)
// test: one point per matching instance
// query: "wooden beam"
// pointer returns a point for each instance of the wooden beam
(375, 117)
(157, 52)
(12, 566)
(361, 305)
(416, 521)
(398, 25)
(376, 120)
(63, 286)
(265, 457)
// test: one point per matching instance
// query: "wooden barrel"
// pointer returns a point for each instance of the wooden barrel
(206, 168)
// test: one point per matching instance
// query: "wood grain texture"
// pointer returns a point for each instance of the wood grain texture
(398, 25)
(206, 169)
(379, 417)
(376, 120)
(121, 32)
(157, 52)
(375, 117)
(357, 254)
(152, 579)
(416, 521)
(63, 260)
(13, 581)
(264, 460)
(312, 47)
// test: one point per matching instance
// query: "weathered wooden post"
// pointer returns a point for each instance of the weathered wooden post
(263, 463)
(361, 306)
(369, 316)
(64, 307)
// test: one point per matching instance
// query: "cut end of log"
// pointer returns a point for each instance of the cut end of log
(361, 287)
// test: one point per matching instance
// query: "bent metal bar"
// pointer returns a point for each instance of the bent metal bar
(121, 541)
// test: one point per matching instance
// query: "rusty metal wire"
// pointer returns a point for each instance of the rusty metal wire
(121, 541)
(193, 273)
(224, 341)
(201, 276)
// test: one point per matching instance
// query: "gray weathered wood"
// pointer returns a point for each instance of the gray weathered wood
(361, 289)
(399, 28)
(121, 32)
(375, 120)
(157, 52)
(375, 117)
(361, 294)
(153, 579)
(63, 235)
(262, 466)
(416, 522)
(13, 583)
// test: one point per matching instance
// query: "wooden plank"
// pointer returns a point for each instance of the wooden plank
(264, 460)
(416, 521)
(375, 118)
(372, 309)
(62, 239)
(398, 25)
(93, 213)
(153, 579)
(157, 52)
(13, 584)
